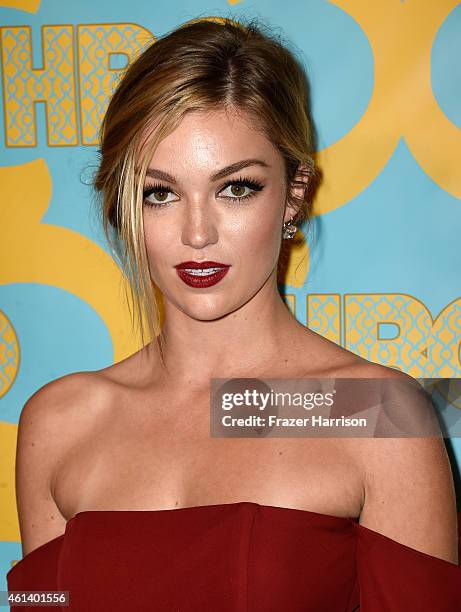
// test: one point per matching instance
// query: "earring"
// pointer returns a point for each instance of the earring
(289, 230)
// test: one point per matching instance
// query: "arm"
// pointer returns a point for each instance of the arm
(42, 433)
(409, 494)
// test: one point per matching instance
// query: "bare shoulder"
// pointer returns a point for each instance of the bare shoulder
(54, 423)
(408, 487)
(62, 405)
(52, 419)
(409, 492)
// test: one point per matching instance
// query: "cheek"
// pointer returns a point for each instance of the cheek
(264, 232)
(156, 245)
(257, 242)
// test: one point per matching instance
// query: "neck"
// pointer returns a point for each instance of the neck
(251, 339)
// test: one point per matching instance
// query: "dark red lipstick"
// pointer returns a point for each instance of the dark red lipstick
(201, 274)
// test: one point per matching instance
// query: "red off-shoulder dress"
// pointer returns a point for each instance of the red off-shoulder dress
(236, 557)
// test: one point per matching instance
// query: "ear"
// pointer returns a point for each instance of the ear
(296, 191)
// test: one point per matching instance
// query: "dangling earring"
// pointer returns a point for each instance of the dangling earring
(289, 230)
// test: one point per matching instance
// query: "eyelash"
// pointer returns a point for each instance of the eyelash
(240, 182)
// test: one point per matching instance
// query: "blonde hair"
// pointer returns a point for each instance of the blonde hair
(205, 64)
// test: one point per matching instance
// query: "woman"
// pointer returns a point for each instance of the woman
(124, 498)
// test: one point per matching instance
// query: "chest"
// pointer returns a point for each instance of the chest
(167, 459)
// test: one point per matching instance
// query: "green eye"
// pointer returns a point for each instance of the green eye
(156, 195)
(156, 190)
(238, 187)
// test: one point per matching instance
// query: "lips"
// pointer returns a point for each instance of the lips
(201, 274)
(200, 264)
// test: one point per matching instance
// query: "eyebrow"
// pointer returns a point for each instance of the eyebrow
(164, 176)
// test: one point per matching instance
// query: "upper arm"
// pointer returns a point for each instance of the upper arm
(409, 494)
(42, 437)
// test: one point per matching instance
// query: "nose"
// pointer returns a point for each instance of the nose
(199, 228)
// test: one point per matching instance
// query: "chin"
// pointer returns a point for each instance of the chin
(203, 309)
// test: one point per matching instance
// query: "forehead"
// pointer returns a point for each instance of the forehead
(212, 139)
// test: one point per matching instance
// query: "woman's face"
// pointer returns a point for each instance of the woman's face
(205, 211)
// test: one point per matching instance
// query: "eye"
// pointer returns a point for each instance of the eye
(237, 188)
(155, 195)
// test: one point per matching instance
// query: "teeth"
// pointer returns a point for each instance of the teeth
(201, 271)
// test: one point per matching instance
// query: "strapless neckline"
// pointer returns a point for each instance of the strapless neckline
(316, 517)
(311, 513)
(186, 509)
(294, 512)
